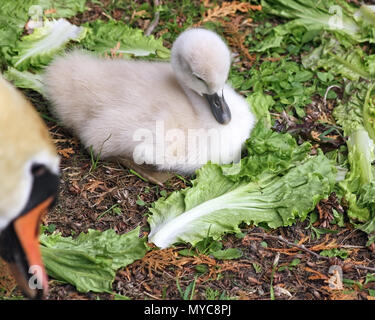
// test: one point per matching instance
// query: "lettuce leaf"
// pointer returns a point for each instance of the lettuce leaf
(39, 48)
(13, 17)
(269, 154)
(366, 200)
(354, 116)
(355, 113)
(15, 14)
(261, 103)
(89, 262)
(316, 14)
(62, 9)
(350, 23)
(104, 36)
(217, 203)
(332, 56)
(24, 79)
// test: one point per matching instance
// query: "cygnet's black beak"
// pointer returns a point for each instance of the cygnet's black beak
(219, 108)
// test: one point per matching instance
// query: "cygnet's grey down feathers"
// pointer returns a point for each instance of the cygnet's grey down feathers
(153, 112)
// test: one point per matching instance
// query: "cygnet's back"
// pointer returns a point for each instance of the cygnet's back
(130, 108)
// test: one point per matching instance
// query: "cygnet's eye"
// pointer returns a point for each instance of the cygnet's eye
(199, 78)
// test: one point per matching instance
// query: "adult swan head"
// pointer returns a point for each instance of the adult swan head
(29, 169)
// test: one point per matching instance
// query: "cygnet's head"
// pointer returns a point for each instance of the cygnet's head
(201, 62)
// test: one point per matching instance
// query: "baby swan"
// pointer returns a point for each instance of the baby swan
(173, 116)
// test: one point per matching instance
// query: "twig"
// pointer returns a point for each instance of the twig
(326, 94)
(150, 295)
(302, 247)
(349, 246)
(107, 15)
(361, 267)
(155, 21)
(286, 118)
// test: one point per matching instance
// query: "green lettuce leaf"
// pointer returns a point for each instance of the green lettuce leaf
(13, 17)
(331, 55)
(62, 9)
(331, 15)
(201, 210)
(366, 200)
(277, 183)
(369, 111)
(260, 104)
(89, 262)
(294, 31)
(350, 23)
(24, 79)
(104, 36)
(39, 48)
(354, 116)
(269, 154)
(15, 14)
(273, 40)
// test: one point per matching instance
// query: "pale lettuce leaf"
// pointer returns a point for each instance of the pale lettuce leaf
(14, 15)
(39, 48)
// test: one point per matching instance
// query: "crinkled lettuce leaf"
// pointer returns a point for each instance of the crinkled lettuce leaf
(366, 200)
(39, 48)
(260, 104)
(369, 111)
(13, 17)
(62, 9)
(104, 36)
(89, 262)
(350, 63)
(269, 154)
(315, 14)
(353, 115)
(351, 23)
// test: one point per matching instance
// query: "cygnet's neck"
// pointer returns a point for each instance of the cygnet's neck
(198, 103)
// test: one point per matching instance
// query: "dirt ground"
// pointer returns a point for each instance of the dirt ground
(281, 264)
